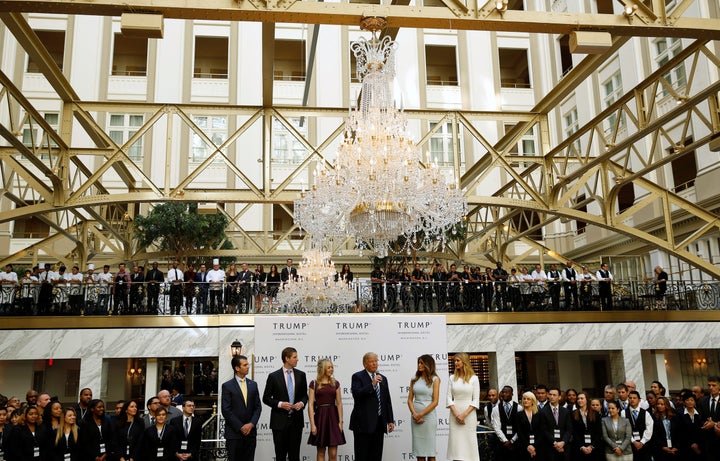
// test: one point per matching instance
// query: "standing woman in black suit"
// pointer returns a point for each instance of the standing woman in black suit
(587, 432)
(160, 441)
(666, 432)
(96, 434)
(691, 433)
(529, 431)
(273, 285)
(30, 439)
(66, 445)
(129, 429)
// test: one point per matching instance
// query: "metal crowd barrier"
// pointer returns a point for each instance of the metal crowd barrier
(65, 298)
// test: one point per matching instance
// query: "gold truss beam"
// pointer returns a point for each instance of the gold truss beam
(453, 15)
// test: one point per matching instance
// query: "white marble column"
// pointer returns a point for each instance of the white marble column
(661, 368)
(91, 373)
(632, 358)
(151, 377)
(505, 371)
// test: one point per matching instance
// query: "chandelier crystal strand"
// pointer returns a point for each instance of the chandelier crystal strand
(315, 290)
(378, 190)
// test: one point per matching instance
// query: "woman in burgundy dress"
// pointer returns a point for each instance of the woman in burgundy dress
(325, 412)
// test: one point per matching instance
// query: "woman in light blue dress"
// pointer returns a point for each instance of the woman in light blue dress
(422, 400)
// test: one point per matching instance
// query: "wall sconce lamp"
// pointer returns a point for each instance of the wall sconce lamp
(501, 5)
(236, 348)
(701, 361)
(630, 10)
(133, 372)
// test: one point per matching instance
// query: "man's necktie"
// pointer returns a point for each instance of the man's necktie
(243, 388)
(624, 405)
(152, 420)
(507, 409)
(187, 427)
(635, 415)
(713, 406)
(377, 392)
(291, 387)
(555, 414)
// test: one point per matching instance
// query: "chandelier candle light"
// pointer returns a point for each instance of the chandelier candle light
(316, 290)
(378, 189)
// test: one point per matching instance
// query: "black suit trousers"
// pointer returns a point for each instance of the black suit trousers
(242, 449)
(287, 443)
(369, 446)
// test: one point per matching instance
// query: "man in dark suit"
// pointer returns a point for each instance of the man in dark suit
(641, 423)
(557, 427)
(241, 409)
(153, 278)
(288, 272)
(189, 432)
(286, 395)
(709, 409)
(372, 414)
(609, 397)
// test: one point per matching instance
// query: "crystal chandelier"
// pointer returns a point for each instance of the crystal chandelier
(315, 289)
(378, 189)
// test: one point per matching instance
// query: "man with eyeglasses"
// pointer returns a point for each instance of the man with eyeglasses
(153, 404)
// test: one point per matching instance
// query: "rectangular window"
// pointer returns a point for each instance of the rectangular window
(130, 56)
(122, 128)
(613, 90)
(287, 149)
(215, 128)
(605, 6)
(289, 60)
(571, 127)
(441, 145)
(527, 145)
(54, 42)
(211, 57)
(514, 68)
(441, 64)
(684, 169)
(566, 62)
(667, 48)
(30, 227)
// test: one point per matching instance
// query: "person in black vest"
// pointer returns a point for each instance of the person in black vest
(501, 276)
(557, 428)
(502, 419)
(641, 423)
(605, 280)
(569, 277)
(153, 279)
(492, 396)
(554, 278)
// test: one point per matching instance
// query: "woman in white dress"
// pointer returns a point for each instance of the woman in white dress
(463, 400)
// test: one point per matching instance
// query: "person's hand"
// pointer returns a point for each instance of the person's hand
(531, 451)
(460, 419)
(245, 430)
(508, 444)
(618, 451)
(637, 444)
(313, 429)
(709, 424)
(287, 406)
(391, 427)
(417, 418)
(298, 406)
(559, 446)
(696, 448)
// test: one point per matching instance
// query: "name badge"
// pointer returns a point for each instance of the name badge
(636, 436)
(556, 433)
(160, 452)
(669, 443)
(127, 449)
(588, 438)
(183, 445)
(508, 430)
(67, 456)
(532, 439)
(618, 442)
(36, 452)
(102, 448)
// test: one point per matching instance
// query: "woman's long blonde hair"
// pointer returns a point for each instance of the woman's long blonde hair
(63, 425)
(467, 369)
(321, 367)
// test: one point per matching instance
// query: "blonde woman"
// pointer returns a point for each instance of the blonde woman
(422, 400)
(325, 412)
(66, 438)
(528, 427)
(463, 400)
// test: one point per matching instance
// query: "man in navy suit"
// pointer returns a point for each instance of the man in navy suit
(189, 432)
(372, 414)
(286, 395)
(241, 409)
(557, 427)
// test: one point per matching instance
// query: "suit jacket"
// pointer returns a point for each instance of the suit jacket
(193, 438)
(285, 274)
(276, 392)
(66, 446)
(155, 275)
(660, 438)
(611, 436)
(151, 443)
(591, 428)
(549, 426)
(90, 438)
(524, 428)
(364, 416)
(712, 440)
(236, 412)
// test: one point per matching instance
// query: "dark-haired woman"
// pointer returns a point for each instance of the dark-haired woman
(690, 427)
(96, 434)
(30, 439)
(422, 400)
(273, 285)
(260, 288)
(587, 432)
(52, 415)
(666, 432)
(160, 441)
(65, 444)
(129, 429)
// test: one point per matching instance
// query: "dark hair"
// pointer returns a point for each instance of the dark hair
(634, 393)
(122, 418)
(541, 386)
(149, 401)
(714, 379)
(287, 353)
(235, 362)
(620, 386)
(662, 388)
(429, 363)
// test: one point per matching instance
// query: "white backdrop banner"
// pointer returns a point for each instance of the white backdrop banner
(398, 341)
